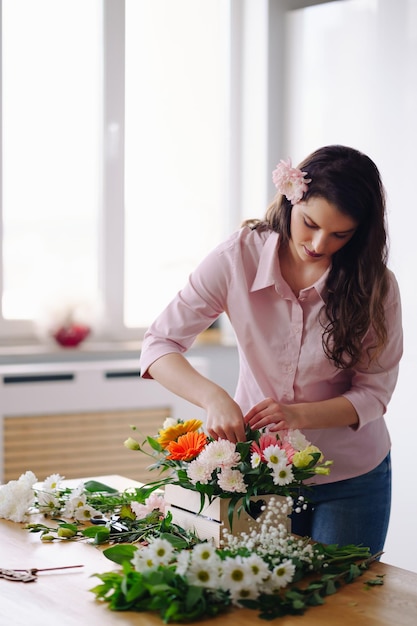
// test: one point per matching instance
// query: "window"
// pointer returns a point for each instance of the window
(114, 188)
(176, 140)
(51, 103)
(136, 135)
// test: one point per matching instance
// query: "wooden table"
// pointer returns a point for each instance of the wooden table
(63, 597)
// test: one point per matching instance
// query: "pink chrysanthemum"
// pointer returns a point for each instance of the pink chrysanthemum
(231, 480)
(199, 472)
(154, 501)
(290, 181)
(221, 453)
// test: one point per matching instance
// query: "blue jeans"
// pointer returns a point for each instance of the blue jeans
(353, 511)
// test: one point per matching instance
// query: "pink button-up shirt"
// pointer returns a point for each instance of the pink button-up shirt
(279, 339)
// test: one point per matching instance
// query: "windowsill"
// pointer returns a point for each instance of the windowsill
(87, 351)
(95, 350)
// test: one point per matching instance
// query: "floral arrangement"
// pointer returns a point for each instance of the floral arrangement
(257, 570)
(290, 181)
(265, 464)
(169, 570)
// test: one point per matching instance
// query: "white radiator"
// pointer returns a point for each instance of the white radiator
(73, 418)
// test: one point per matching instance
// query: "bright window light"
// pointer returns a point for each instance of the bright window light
(176, 145)
(51, 122)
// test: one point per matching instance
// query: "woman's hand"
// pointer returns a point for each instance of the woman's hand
(224, 419)
(331, 413)
(224, 416)
(270, 413)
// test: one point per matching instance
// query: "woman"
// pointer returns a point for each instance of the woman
(317, 319)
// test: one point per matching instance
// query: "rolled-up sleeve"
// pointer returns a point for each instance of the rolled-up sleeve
(192, 310)
(372, 387)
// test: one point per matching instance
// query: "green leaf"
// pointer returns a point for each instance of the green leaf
(155, 445)
(331, 587)
(120, 553)
(110, 582)
(136, 589)
(102, 536)
(375, 582)
(94, 486)
(99, 533)
(172, 613)
(72, 527)
(194, 595)
(178, 542)
(126, 512)
(315, 599)
(298, 604)
(155, 577)
(160, 590)
(354, 572)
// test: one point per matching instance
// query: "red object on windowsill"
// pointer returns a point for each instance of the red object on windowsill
(71, 336)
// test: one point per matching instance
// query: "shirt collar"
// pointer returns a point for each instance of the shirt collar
(319, 286)
(269, 271)
(266, 274)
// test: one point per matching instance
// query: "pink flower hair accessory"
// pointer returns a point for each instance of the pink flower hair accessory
(290, 181)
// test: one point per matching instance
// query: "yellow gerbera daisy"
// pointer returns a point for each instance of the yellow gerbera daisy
(173, 432)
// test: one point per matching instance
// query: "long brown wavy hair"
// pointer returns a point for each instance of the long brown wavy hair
(357, 283)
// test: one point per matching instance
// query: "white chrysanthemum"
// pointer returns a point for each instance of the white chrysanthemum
(182, 562)
(297, 439)
(282, 475)
(204, 574)
(48, 502)
(275, 456)
(221, 453)
(78, 490)
(85, 513)
(199, 472)
(168, 422)
(162, 550)
(74, 502)
(28, 479)
(282, 574)
(258, 567)
(205, 553)
(255, 459)
(52, 483)
(17, 497)
(243, 593)
(232, 480)
(237, 574)
(143, 559)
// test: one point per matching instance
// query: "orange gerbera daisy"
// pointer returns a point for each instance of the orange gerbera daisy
(187, 447)
(173, 432)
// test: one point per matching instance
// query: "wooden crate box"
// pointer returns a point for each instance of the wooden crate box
(208, 523)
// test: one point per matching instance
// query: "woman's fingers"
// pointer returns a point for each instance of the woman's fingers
(266, 413)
